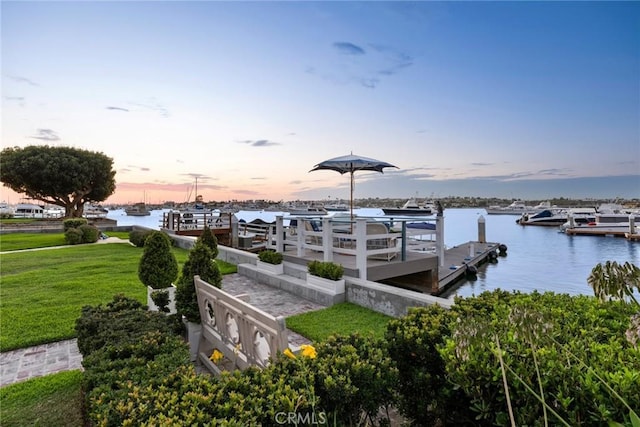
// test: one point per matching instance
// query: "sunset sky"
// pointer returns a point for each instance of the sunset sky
(506, 99)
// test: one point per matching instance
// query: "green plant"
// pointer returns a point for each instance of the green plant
(270, 257)
(615, 281)
(326, 269)
(73, 236)
(158, 267)
(70, 223)
(90, 234)
(198, 263)
(209, 240)
(161, 300)
(138, 237)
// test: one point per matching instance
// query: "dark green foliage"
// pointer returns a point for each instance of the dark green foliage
(158, 266)
(326, 270)
(138, 237)
(90, 234)
(63, 176)
(73, 236)
(270, 257)
(161, 300)
(209, 240)
(354, 378)
(70, 223)
(424, 393)
(119, 321)
(199, 263)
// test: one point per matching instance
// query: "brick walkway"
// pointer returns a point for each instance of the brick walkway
(26, 363)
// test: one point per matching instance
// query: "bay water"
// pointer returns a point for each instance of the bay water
(538, 258)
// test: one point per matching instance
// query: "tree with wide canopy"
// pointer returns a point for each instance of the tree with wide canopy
(63, 176)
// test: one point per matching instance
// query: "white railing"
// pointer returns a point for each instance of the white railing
(364, 238)
(245, 334)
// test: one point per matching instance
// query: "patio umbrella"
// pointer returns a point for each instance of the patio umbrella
(352, 163)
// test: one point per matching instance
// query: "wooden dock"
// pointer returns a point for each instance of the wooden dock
(457, 259)
(634, 237)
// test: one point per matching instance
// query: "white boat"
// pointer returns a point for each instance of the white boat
(6, 209)
(518, 207)
(28, 210)
(611, 219)
(306, 210)
(138, 209)
(92, 211)
(336, 207)
(412, 207)
(557, 216)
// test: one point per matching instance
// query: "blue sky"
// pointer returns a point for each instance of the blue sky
(508, 99)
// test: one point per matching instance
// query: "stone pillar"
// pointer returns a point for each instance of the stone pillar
(482, 231)
(279, 234)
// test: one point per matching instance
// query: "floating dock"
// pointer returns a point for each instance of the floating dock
(458, 259)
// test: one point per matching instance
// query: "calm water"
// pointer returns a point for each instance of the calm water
(538, 258)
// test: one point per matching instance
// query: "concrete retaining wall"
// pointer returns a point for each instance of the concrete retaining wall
(388, 300)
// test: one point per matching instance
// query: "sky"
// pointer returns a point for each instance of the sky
(529, 100)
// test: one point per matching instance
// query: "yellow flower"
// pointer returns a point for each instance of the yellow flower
(216, 356)
(308, 351)
(287, 352)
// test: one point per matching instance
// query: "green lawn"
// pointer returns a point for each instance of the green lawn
(53, 400)
(43, 292)
(17, 241)
(342, 319)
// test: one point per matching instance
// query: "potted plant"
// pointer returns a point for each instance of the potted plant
(326, 276)
(158, 268)
(270, 261)
(200, 262)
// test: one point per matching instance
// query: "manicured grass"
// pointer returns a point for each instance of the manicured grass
(340, 319)
(43, 292)
(52, 400)
(18, 241)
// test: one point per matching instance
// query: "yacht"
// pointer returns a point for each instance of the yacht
(28, 210)
(92, 211)
(610, 219)
(557, 216)
(138, 209)
(412, 207)
(6, 209)
(518, 207)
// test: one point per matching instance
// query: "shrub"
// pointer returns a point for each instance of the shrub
(425, 395)
(73, 236)
(138, 237)
(161, 300)
(209, 240)
(355, 379)
(270, 257)
(90, 234)
(73, 223)
(200, 263)
(550, 348)
(158, 266)
(326, 269)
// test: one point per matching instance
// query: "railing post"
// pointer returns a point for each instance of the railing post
(327, 240)
(302, 237)
(440, 239)
(279, 234)
(361, 247)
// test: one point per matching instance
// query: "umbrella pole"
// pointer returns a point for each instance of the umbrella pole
(351, 205)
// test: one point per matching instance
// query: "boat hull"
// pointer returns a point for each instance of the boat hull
(409, 212)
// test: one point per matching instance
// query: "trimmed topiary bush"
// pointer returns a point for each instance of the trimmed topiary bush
(158, 267)
(70, 223)
(209, 240)
(198, 263)
(73, 236)
(90, 234)
(138, 237)
(270, 257)
(326, 269)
